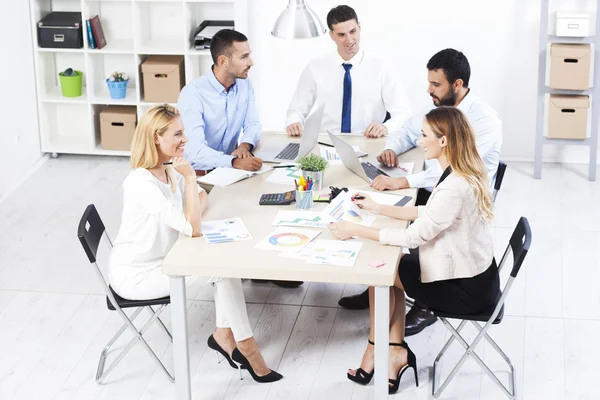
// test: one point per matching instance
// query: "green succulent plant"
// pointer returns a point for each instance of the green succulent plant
(312, 162)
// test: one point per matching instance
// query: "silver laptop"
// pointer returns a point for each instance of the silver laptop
(282, 150)
(364, 169)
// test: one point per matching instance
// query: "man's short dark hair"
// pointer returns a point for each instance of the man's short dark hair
(454, 63)
(340, 14)
(222, 43)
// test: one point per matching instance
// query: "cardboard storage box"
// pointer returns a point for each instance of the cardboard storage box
(163, 78)
(568, 116)
(117, 125)
(570, 66)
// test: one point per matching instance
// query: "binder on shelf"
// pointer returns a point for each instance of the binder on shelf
(97, 32)
(91, 40)
(206, 30)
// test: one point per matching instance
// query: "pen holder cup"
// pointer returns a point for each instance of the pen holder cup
(304, 199)
(316, 176)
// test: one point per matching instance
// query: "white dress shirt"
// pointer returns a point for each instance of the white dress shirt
(488, 136)
(376, 89)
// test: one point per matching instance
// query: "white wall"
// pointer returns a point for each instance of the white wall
(499, 37)
(20, 145)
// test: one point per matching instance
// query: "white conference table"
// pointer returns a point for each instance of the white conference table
(196, 257)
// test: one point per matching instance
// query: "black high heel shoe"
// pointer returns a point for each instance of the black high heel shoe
(362, 377)
(212, 343)
(412, 363)
(238, 357)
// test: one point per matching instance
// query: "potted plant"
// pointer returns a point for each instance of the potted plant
(313, 166)
(117, 84)
(71, 82)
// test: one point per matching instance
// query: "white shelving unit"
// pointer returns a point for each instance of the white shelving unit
(544, 91)
(134, 30)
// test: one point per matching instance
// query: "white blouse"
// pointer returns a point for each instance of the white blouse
(151, 221)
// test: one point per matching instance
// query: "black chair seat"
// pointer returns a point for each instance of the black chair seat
(483, 316)
(124, 303)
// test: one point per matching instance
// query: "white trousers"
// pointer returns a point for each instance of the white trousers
(230, 303)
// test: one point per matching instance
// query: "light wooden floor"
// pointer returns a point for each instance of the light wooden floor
(54, 322)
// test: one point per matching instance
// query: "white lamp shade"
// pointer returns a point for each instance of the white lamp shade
(298, 21)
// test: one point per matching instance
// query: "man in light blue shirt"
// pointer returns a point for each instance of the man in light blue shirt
(217, 106)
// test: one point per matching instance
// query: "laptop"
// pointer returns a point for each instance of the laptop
(364, 169)
(281, 150)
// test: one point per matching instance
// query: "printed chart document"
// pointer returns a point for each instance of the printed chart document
(406, 168)
(331, 252)
(331, 155)
(308, 219)
(284, 176)
(225, 230)
(287, 239)
(342, 208)
(226, 176)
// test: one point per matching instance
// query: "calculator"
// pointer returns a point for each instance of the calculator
(277, 199)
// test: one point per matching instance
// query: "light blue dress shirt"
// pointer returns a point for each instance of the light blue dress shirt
(213, 119)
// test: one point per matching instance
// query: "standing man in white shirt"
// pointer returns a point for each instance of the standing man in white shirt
(357, 89)
(448, 75)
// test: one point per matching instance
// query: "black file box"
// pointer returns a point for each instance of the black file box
(61, 30)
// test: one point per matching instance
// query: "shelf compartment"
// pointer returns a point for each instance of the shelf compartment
(101, 66)
(97, 145)
(49, 65)
(197, 12)
(116, 18)
(41, 8)
(159, 27)
(65, 126)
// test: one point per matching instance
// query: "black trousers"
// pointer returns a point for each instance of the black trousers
(461, 296)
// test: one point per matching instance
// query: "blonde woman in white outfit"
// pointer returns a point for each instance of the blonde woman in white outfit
(160, 202)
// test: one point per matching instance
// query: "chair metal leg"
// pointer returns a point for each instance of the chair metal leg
(162, 325)
(470, 351)
(441, 353)
(512, 393)
(100, 374)
(112, 341)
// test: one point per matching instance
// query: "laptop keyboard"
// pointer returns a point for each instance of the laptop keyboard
(371, 170)
(289, 152)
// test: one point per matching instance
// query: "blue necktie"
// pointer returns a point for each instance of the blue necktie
(347, 101)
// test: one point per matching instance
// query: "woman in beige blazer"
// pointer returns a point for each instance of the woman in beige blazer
(454, 269)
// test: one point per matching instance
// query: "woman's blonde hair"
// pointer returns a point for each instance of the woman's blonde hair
(156, 121)
(462, 154)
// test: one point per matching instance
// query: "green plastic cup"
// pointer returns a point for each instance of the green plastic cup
(71, 85)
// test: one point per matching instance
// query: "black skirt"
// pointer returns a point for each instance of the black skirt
(460, 296)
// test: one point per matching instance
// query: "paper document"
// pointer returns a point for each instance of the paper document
(210, 31)
(287, 239)
(406, 167)
(381, 198)
(226, 230)
(226, 176)
(331, 155)
(309, 219)
(343, 209)
(331, 252)
(285, 176)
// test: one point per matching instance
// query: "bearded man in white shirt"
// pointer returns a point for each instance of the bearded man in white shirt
(356, 89)
(448, 75)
